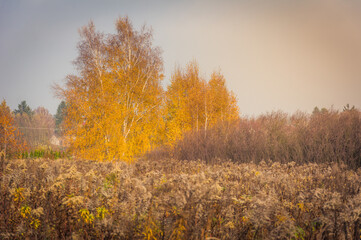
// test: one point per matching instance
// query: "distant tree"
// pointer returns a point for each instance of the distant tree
(316, 110)
(23, 108)
(223, 103)
(43, 125)
(348, 108)
(10, 139)
(38, 128)
(23, 122)
(185, 98)
(59, 116)
(113, 104)
(324, 110)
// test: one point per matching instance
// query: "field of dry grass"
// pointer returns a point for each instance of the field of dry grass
(170, 199)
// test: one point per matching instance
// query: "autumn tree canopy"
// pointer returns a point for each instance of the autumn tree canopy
(194, 103)
(10, 139)
(113, 103)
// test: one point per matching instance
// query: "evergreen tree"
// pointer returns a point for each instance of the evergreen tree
(23, 108)
(59, 116)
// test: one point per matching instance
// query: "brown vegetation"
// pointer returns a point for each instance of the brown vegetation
(325, 136)
(170, 199)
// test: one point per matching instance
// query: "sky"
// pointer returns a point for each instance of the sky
(275, 54)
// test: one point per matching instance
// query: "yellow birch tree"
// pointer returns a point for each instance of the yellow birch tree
(114, 103)
(184, 108)
(193, 103)
(222, 102)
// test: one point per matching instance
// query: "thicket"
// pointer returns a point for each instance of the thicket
(326, 136)
(171, 199)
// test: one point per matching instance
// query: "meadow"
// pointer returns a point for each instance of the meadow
(172, 199)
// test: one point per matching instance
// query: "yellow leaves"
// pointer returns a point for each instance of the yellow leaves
(102, 212)
(35, 223)
(85, 216)
(302, 207)
(179, 230)
(151, 228)
(18, 195)
(116, 107)
(10, 139)
(148, 233)
(280, 219)
(113, 105)
(244, 219)
(25, 211)
(256, 173)
(192, 103)
(27, 214)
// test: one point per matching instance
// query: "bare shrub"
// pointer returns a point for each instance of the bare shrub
(324, 137)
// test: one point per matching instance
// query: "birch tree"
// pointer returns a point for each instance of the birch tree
(114, 102)
(192, 103)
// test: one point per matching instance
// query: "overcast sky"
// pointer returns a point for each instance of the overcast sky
(275, 55)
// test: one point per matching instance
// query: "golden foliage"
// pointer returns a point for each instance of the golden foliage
(113, 104)
(10, 138)
(116, 106)
(193, 103)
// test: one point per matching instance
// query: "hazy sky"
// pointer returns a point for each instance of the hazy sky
(275, 55)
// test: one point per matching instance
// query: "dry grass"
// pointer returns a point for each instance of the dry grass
(170, 199)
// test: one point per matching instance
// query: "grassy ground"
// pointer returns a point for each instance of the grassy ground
(170, 199)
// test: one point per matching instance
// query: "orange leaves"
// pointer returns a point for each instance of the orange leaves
(223, 103)
(113, 104)
(193, 103)
(10, 139)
